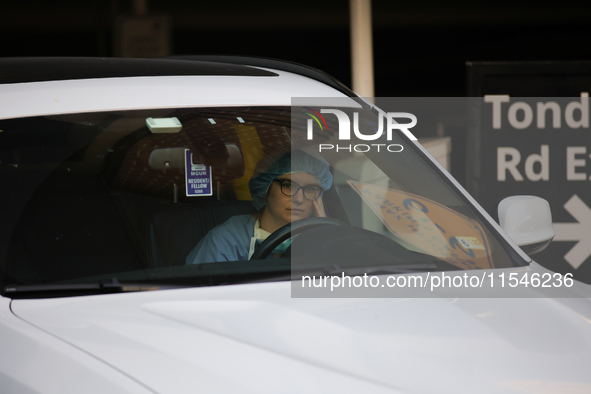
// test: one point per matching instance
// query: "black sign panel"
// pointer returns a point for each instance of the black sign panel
(529, 134)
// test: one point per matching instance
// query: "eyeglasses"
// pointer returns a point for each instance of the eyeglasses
(290, 188)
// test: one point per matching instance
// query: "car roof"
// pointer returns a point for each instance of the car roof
(37, 69)
(283, 65)
(46, 86)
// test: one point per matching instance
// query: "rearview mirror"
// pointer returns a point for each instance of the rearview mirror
(528, 221)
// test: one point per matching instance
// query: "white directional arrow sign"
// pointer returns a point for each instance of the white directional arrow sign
(579, 231)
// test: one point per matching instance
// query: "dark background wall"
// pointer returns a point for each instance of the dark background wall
(420, 48)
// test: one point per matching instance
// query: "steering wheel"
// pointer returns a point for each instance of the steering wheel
(288, 231)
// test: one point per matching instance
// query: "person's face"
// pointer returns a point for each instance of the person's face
(286, 209)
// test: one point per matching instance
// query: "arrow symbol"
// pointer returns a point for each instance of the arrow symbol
(579, 231)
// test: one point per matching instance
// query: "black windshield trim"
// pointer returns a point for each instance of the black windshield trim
(43, 69)
(55, 290)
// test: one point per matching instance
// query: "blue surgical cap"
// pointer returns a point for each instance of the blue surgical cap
(270, 168)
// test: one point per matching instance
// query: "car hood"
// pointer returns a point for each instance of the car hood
(256, 338)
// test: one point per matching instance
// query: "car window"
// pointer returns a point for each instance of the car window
(130, 193)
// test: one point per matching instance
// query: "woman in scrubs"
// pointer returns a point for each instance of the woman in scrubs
(283, 191)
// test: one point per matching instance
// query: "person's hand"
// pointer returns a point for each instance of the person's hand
(319, 208)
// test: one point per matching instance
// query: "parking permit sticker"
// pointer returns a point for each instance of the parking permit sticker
(197, 177)
(470, 242)
(428, 226)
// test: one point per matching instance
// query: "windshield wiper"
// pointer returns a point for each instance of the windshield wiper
(379, 270)
(335, 270)
(105, 286)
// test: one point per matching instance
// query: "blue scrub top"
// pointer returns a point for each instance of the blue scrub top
(230, 241)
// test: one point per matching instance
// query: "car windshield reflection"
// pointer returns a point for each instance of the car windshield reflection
(131, 194)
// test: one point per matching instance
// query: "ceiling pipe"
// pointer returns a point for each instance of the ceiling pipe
(361, 48)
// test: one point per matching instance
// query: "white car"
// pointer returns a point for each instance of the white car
(112, 170)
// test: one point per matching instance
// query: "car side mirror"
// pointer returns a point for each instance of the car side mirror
(528, 221)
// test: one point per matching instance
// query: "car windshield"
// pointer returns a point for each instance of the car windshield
(129, 194)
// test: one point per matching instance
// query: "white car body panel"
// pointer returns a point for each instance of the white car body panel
(35, 361)
(108, 94)
(256, 338)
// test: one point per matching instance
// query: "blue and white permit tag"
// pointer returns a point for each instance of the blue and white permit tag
(197, 177)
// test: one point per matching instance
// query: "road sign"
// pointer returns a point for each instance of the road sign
(530, 135)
